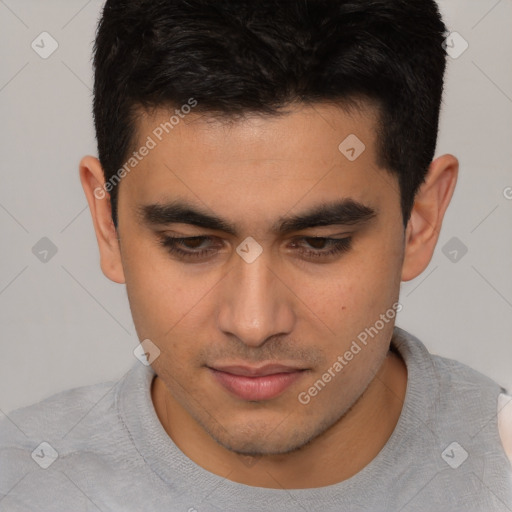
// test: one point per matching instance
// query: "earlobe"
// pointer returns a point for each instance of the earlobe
(93, 181)
(431, 202)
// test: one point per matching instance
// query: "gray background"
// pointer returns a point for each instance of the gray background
(63, 324)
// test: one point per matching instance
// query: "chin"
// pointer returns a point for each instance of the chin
(265, 440)
(262, 446)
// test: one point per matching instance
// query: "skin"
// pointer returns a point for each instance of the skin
(283, 307)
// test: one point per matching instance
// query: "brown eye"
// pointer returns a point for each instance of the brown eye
(193, 243)
(316, 242)
(189, 247)
(316, 246)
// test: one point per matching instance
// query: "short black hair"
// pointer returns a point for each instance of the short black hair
(257, 56)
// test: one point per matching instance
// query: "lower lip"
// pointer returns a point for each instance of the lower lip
(256, 388)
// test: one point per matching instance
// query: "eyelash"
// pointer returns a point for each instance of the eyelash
(338, 246)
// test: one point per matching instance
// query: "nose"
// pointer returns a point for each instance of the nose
(255, 304)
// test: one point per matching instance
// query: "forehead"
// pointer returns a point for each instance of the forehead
(328, 121)
(304, 135)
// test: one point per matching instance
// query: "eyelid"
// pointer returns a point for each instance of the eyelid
(338, 246)
(217, 243)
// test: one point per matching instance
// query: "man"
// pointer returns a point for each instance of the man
(266, 180)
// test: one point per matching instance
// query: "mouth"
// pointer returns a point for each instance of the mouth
(256, 383)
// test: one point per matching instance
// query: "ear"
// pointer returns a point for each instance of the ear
(431, 201)
(93, 183)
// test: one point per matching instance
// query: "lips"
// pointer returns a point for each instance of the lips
(256, 383)
(248, 371)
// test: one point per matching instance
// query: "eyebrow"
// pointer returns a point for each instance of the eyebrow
(341, 212)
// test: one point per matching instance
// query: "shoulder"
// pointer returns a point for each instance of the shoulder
(57, 413)
(466, 383)
(59, 423)
(460, 375)
(40, 442)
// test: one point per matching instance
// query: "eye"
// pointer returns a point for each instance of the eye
(194, 247)
(325, 247)
(191, 244)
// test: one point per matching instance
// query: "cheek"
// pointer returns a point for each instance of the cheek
(356, 290)
(155, 291)
(168, 302)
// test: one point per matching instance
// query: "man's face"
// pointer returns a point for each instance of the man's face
(292, 304)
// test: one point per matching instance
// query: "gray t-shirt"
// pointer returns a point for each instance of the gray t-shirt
(102, 448)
